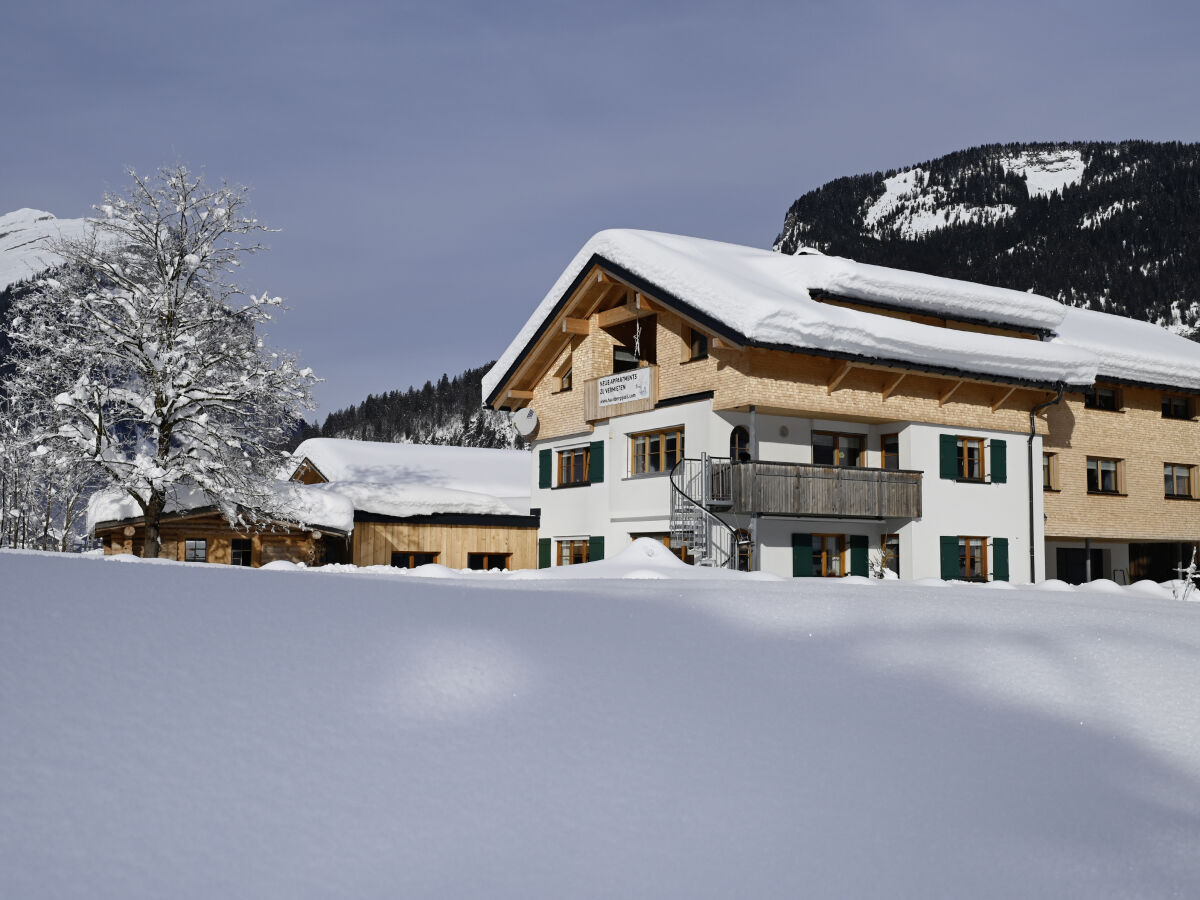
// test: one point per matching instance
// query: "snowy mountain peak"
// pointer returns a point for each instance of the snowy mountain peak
(25, 239)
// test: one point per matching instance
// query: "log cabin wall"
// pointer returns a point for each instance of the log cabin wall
(375, 542)
(290, 545)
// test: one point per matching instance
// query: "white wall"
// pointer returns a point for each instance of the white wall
(625, 504)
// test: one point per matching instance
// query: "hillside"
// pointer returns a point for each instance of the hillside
(447, 412)
(191, 730)
(1110, 226)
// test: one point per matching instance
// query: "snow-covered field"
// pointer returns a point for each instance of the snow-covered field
(175, 730)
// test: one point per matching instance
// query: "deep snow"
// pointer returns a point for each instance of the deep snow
(186, 730)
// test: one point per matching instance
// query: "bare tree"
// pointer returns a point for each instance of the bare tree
(141, 363)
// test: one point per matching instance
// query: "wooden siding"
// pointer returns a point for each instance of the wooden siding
(798, 489)
(291, 545)
(375, 542)
(1143, 440)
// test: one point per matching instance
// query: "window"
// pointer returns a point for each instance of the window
(1103, 398)
(830, 449)
(1176, 407)
(240, 552)
(410, 559)
(1103, 476)
(970, 458)
(828, 551)
(484, 562)
(739, 444)
(655, 451)
(891, 553)
(889, 445)
(195, 550)
(1177, 480)
(697, 345)
(1050, 471)
(565, 381)
(972, 558)
(572, 553)
(573, 466)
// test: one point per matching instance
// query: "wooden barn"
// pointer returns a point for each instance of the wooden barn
(361, 502)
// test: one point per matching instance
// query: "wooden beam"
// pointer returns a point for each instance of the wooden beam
(617, 315)
(838, 377)
(641, 302)
(574, 326)
(954, 387)
(891, 388)
(1007, 394)
(724, 343)
(519, 395)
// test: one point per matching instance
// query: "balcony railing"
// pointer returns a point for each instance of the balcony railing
(801, 489)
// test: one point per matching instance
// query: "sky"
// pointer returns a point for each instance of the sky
(433, 167)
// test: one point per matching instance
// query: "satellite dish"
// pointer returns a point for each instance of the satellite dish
(525, 420)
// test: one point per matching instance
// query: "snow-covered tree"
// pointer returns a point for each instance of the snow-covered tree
(140, 363)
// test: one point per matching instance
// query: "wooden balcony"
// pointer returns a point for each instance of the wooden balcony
(635, 390)
(799, 489)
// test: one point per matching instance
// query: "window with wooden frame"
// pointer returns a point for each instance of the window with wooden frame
(564, 380)
(573, 466)
(1176, 407)
(739, 444)
(485, 562)
(829, 555)
(970, 459)
(972, 558)
(1179, 481)
(1106, 398)
(572, 552)
(240, 551)
(410, 559)
(652, 452)
(1105, 476)
(195, 550)
(889, 451)
(1050, 471)
(833, 449)
(697, 345)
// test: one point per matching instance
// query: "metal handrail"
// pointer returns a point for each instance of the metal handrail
(733, 533)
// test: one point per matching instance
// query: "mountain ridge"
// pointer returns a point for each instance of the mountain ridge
(1111, 226)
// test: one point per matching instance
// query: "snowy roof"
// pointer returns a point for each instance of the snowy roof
(1131, 350)
(765, 299)
(420, 479)
(25, 236)
(301, 503)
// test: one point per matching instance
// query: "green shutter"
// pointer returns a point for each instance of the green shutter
(596, 462)
(949, 457)
(801, 555)
(1000, 559)
(999, 461)
(858, 555)
(545, 464)
(544, 553)
(950, 557)
(595, 548)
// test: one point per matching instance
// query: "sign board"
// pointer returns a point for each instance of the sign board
(624, 386)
